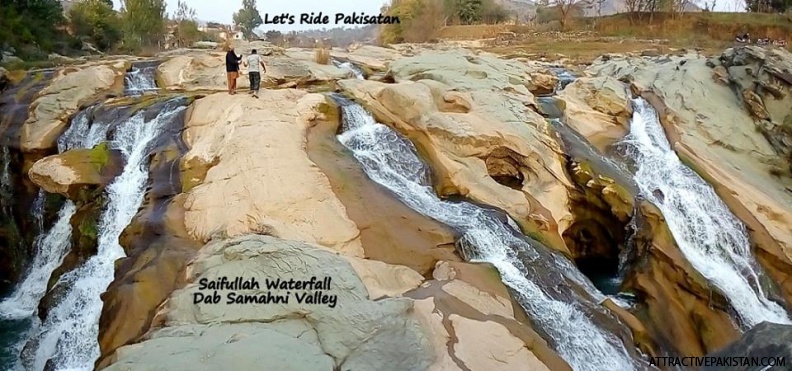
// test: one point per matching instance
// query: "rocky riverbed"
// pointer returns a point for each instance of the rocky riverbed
(580, 260)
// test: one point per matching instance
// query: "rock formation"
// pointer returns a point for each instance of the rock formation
(469, 115)
(725, 141)
(69, 90)
(262, 189)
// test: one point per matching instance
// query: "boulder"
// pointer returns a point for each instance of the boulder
(72, 88)
(250, 173)
(544, 83)
(598, 108)
(71, 172)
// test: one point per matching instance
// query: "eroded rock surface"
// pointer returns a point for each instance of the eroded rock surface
(354, 333)
(73, 170)
(70, 89)
(469, 115)
(247, 157)
(720, 137)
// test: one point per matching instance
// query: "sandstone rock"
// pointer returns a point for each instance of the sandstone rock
(469, 299)
(468, 115)
(371, 57)
(481, 342)
(354, 334)
(385, 280)
(755, 104)
(74, 87)
(719, 139)
(196, 71)
(598, 108)
(67, 173)
(262, 180)
(390, 231)
(544, 83)
(206, 70)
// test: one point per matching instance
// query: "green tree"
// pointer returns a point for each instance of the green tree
(97, 21)
(187, 31)
(469, 11)
(144, 22)
(248, 18)
(30, 24)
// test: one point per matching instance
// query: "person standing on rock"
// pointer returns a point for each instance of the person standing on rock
(253, 62)
(232, 69)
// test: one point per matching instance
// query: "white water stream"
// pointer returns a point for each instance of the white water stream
(69, 334)
(351, 67)
(140, 80)
(713, 240)
(393, 162)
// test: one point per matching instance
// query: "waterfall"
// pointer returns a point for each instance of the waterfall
(51, 248)
(140, 79)
(393, 162)
(69, 334)
(564, 77)
(713, 240)
(351, 67)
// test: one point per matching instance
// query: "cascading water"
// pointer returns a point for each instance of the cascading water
(351, 67)
(713, 240)
(141, 78)
(53, 246)
(564, 77)
(69, 334)
(561, 312)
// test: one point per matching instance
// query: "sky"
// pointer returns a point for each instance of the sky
(222, 10)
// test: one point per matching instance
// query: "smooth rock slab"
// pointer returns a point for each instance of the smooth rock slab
(359, 334)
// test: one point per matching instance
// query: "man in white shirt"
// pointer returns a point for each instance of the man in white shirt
(252, 62)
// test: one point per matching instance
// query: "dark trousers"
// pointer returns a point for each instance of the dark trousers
(255, 81)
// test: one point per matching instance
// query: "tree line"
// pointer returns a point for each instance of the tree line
(33, 28)
(421, 18)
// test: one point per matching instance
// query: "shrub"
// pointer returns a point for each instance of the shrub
(322, 55)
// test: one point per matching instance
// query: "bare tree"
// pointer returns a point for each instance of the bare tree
(565, 8)
(636, 8)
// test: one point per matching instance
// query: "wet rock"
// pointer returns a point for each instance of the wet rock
(744, 159)
(390, 231)
(672, 291)
(156, 244)
(4, 80)
(69, 90)
(765, 340)
(69, 172)
(494, 152)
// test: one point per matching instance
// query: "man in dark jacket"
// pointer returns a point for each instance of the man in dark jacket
(232, 69)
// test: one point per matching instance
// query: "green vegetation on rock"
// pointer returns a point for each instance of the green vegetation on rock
(99, 156)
